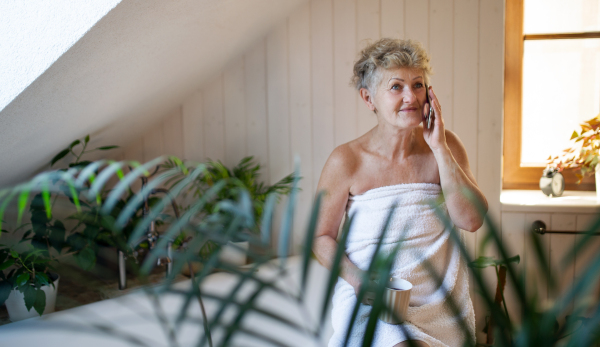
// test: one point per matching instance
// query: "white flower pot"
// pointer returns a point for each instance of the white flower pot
(15, 304)
(232, 254)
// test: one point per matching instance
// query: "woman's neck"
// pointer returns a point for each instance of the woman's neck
(393, 143)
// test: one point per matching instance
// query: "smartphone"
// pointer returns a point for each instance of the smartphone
(430, 113)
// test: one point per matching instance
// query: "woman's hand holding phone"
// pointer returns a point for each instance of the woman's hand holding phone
(433, 124)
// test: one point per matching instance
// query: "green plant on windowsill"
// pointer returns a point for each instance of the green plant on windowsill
(584, 154)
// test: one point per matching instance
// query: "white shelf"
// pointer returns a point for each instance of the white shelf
(514, 200)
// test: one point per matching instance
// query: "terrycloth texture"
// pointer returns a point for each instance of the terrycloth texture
(429, 318)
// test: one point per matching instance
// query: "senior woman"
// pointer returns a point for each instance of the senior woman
(402, 163)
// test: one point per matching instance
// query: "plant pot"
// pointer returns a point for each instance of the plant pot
(234, 253)
(15, 304)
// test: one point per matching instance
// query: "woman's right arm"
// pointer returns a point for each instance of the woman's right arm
(335, 183)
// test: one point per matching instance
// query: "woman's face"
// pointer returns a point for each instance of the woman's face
(400, 97)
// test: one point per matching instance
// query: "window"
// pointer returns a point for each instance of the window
(552, 83)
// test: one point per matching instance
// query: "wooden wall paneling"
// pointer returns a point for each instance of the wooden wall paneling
(367, 31)
(172, 128)
(234, 109)
(192, 128)
(513, 237)
(321, 27)
(416, 21)
(300, 115)
(392, 18)
(465, 95)
(153, 140)
(560, 245)
(280, 161)
(214, 127)
(489, 135)
(582, 259)
(135, 151)
(441, 49)
(255, 69)
(536, 284)
(344, 53)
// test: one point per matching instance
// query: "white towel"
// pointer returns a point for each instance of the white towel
(429, 318)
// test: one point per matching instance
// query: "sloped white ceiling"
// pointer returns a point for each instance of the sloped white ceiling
(37, 32)
(140, 60)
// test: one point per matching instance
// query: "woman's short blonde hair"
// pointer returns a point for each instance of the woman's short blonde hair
(389, 54)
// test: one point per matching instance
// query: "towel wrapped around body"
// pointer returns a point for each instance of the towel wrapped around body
(424, 236)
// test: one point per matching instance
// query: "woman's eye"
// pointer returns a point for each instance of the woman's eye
(396, 87)
(419, 85)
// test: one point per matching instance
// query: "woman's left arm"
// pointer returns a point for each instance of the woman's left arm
(466, 204)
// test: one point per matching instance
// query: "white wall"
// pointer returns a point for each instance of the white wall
(37, 32)
(134, 65)
(290, 95)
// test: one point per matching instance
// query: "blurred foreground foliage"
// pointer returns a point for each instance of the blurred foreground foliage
(225, 203)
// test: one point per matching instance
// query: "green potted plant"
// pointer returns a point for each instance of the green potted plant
(584, 153)
(29, 284)
(245, 176)
(28, 278)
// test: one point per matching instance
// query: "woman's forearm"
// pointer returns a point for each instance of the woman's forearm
(466, 204)
(324, 248)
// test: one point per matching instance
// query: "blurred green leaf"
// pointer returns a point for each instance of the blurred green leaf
(106, 148)
(86, 258)
(40, 301)
(6, 264)
(42, 278)
(46, 197)
(22, 279)
(57, 236)
(74, 143)
(30, 296)
(483, 262)
(5, 289)
(59, 156)
(87, 138)
(23, 198)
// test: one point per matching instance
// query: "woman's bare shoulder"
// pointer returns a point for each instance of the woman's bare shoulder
(341, 165)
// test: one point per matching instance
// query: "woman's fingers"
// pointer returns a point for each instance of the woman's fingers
(435, 102)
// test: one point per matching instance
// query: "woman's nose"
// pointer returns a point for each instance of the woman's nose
(410, 96)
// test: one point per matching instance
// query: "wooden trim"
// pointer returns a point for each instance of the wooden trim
(587, 35)
(513, 72)
(513, 175)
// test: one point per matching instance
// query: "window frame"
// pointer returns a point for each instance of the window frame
(513, 175)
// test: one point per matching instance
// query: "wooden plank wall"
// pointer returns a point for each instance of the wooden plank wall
(290, 95)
